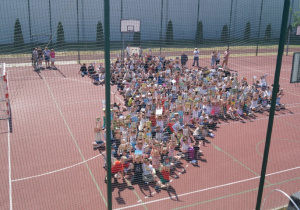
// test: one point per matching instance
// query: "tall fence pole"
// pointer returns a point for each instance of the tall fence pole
(230, 23)
(289, 35)
(78, 59)
(285, 16)
(29, 20)
(50, 21)
(259, 25)
(107, 100)
(122, 36)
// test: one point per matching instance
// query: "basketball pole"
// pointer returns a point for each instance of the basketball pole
(285, 16)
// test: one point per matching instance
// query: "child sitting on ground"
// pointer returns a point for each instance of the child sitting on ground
(164, 177)
(98, 136)
(148, 172)
(137, 170)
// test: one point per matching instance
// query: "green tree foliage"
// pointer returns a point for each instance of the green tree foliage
(268, 33)
(296, 19)
(224, 34)
(99, 36)
(60, 34)
(18, 35)
(137, 38)
(199, 33)
(247, 32)
(169, 33)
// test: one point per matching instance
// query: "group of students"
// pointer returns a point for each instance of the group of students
(169, 110)
(38, 55)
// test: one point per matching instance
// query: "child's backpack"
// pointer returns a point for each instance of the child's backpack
(191, 153)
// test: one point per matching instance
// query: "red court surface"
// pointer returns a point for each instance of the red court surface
(48, 161)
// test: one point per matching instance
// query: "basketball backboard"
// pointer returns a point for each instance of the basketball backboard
(295, 75)
(130, 26)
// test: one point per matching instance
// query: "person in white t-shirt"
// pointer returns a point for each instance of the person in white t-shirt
(196, 57)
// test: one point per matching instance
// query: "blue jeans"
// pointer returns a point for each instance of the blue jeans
(196, 59)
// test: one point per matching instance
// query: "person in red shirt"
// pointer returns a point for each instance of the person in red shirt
(164, 177)
(116, 170)
(153, 121)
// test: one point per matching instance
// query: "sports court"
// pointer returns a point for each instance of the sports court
(48, 160)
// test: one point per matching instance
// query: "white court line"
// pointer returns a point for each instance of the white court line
(263, 118)
(62, 169)
(52, 172)
(9, 167)
(263, 72)
(210, 188)
(74, 140)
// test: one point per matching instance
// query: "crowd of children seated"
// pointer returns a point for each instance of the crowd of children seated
(170, 110)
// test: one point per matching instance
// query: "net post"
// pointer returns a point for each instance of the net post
(107, 100)
(273, 101)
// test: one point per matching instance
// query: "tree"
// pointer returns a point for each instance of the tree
(137, 38)
(169, 33)
(60, 34)
(18, 35)
(224, 34)
(99, 36)
(296, 19)
(199, 33)
(268, 33)
(247, 32)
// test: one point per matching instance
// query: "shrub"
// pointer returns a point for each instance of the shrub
(199, 33)
(169, 33)
(268, 33)
(224, 34)
(99, 36)
(60, 34)
(18, 35)
(247, 32)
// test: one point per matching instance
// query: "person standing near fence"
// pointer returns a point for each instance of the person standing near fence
(128, 51)
(196, 57)
(140, 51)
(225, 61)
(52, 58)
(184, 59)
(46, 53)
(40, 57)
(34, 58)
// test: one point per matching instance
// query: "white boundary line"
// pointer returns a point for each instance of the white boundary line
(75, 141)
(62, 169)
(58, 170)
(209, 188)
(9, 168)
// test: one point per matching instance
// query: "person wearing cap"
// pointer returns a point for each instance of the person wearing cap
(196, 57)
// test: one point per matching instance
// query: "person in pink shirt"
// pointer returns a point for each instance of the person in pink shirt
(52, 58)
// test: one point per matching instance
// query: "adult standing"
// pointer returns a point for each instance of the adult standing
(46, 53)
(140, 51)
(196, 57)
(40, 57)
(184, 59)
(34, 58)
(226, 56)
(128, 51)
(218, 58)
